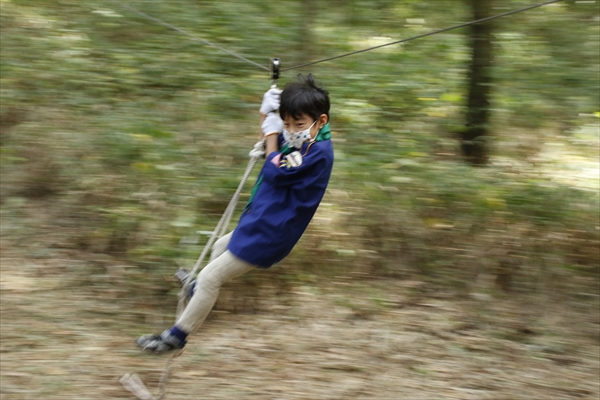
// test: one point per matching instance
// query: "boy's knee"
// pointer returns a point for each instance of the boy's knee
(210, 279)
(220, 246)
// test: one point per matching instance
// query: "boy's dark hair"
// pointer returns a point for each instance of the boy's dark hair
(304, 97)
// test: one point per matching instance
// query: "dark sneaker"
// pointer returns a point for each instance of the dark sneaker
(183, 276)
(163, 343)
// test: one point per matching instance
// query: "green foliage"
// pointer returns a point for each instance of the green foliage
(139, 134)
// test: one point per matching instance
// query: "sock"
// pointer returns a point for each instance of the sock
(178, 333)
(174, 336)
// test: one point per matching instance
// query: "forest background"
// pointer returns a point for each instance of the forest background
(122, 142)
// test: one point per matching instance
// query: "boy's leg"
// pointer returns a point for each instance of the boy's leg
(220, 246)
(222, 269)
(209, 282)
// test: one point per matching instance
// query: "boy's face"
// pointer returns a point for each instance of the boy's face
(305, 121)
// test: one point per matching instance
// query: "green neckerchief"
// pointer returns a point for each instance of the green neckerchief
(324, 134)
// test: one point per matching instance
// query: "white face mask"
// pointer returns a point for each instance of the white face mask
(296, 139)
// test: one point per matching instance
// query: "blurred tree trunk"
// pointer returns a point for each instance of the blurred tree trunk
(473, 144)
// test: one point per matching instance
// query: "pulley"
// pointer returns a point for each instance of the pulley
(274, 66)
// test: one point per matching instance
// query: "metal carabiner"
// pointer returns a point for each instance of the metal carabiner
(274, 66)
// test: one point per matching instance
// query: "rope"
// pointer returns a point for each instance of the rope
(257, 152)
(131, 381)
(422, 35)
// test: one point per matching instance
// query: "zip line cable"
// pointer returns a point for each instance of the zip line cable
(166, 24)
(160, 22)
(423, 35)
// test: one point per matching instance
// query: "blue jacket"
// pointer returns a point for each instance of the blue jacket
(284, 201)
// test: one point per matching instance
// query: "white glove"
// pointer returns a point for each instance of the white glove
(270, 100)
(272, 124)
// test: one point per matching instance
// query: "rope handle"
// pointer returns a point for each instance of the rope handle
(257, 152)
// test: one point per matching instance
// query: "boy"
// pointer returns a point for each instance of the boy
(289, 188)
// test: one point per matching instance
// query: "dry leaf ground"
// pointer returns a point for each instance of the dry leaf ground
(341, 339)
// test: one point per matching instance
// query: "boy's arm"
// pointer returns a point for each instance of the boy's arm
(271, 144)
(316, 162)
(271, 124)
(262, 119)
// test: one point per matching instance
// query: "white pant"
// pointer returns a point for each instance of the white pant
(223, 267)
